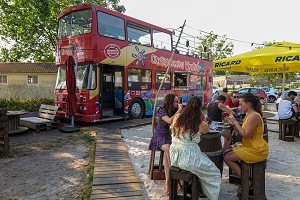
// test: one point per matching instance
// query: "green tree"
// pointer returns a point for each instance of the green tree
(213, 47)
(31, 25)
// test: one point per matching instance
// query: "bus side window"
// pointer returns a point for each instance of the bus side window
(180, 79)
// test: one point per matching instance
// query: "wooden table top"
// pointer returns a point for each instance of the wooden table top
(14, 112)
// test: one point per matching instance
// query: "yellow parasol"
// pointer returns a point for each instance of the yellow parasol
(277, 58)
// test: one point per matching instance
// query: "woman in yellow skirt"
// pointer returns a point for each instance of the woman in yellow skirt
(254, 148)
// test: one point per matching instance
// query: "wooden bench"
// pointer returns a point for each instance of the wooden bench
(44, 121)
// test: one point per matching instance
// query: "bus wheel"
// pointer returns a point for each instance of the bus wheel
(136, 109)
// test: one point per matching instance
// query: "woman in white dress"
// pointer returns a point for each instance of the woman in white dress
(185, 152)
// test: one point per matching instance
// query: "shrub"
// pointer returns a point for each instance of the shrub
(25, 104)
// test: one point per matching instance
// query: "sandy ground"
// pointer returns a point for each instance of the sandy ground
(46, 165)
(282, 173)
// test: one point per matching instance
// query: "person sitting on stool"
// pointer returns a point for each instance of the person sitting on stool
(214, 113)
(288, 108)
(185, 152)
(254, 148)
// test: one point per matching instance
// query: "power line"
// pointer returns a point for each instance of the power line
(220, 36)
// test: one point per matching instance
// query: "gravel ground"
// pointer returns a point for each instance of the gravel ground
(282, 174)
(47, 165)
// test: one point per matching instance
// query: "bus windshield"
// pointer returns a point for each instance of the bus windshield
(85, 77)
(75, 23)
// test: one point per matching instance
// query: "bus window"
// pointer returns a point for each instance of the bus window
(86, 76)
(110, 26)
(161, 40)
(61, 78)
(203, 82)
(180, 79)
(75, 23)
(198, 82)
(192, 82)
(138, 34)
(139, 79)
(167, 83)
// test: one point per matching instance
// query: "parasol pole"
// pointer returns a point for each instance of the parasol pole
(283, 80)
(169, 63)
(72, 118)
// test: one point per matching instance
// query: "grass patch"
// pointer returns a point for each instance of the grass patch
(87, 188)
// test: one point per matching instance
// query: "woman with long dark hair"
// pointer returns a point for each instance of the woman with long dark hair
(185, 152)
(254, 148)
(162, 138)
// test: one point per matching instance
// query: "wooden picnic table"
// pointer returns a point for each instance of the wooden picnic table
(14, 120)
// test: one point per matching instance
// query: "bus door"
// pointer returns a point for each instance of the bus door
(119, 90)
(112, 90)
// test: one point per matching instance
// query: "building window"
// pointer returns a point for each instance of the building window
(32, 79)
(3, 79)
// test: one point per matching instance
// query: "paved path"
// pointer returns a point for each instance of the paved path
(114, 176)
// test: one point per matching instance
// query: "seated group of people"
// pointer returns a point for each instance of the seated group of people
(188, 124)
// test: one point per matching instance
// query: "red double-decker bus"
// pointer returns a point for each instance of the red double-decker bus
(120, 63)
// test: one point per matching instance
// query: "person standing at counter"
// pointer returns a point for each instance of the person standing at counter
(162, 139)
(214, 114)
(185, 153)
(254, 148)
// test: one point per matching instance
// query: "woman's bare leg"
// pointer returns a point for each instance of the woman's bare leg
(231, 159)
(228, 138)
(167, 164)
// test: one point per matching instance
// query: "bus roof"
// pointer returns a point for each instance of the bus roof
(115, 13)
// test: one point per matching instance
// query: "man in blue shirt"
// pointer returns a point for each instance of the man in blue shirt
(288, 108)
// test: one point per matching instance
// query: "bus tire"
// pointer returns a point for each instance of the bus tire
(136, 109)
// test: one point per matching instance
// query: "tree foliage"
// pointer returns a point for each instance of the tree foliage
(31, 25)
(213, 47)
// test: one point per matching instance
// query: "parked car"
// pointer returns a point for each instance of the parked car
(216, 88)
(280, 91)
(285, 95)
(271, 92)
(256, 91)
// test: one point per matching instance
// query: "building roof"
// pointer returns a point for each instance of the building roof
(27, 67)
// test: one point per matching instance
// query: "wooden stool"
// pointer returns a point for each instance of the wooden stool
(296, 134)
(157, 172)
(283, 134)
(254, 174)
(187, 177)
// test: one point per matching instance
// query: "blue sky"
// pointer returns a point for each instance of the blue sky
(254, 21)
